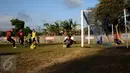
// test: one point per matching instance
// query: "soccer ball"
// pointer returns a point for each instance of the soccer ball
(64, 46)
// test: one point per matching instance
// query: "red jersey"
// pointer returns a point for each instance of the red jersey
(116, 36)
(20, 34)
(8, 34)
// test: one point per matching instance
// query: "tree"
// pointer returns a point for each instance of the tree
(45, 31)
(26, 30)
(50, 28)
(39, 30)
(69, 26)
(53, 28)
(58, 27)
(66, 26)
(110, 11)
(111, 8)
(19, 24)
(46, 25)
(2, 33)
(91, 16)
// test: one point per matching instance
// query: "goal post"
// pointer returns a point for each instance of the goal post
(82, 27)
(126, 32)
(88, 27)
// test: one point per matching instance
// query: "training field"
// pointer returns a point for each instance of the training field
(53, 58)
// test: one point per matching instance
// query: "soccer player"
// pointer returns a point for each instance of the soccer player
(10, 39)
(33, 45)
(33, 35)
(29, 38)
(21, 37)
(70, 41)
(38, 39)
(117, 38)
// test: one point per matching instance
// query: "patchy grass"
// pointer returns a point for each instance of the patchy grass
(53, 58)
(28, 59)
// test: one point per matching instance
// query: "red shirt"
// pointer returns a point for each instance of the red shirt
(116, 36)
(8, 34)
(20, 34)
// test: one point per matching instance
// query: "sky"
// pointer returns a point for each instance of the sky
(37, 12)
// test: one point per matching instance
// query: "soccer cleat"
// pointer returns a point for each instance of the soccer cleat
(15, 47)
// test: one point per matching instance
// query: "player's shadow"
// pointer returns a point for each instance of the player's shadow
(108, 60)
(122, 47)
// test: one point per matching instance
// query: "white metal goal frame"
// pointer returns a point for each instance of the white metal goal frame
(88, 26)
(82, 28)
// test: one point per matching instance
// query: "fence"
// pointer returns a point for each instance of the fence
(60, 39)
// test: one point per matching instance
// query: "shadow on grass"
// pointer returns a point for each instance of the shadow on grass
(109, 60)
(10, 53)
(122, 47)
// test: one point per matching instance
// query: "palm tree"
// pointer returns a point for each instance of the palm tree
(52, 28)
(58, 27)
(46, 25)
(69, 26)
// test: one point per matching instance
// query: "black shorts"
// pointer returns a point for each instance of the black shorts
(33, 39)
(11, 40)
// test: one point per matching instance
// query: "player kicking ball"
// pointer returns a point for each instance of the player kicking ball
(33, 45)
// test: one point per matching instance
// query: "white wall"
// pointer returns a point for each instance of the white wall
(76, 38)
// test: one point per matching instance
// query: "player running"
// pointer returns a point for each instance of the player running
(10, 39)
(33, 35)
(21, 37)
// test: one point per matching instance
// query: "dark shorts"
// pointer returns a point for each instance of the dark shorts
(117, 41)
(10, 40)
(33, 39)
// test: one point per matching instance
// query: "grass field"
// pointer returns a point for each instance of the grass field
(53, 58)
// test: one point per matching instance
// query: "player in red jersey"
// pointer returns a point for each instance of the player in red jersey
(21, 36)
(117, 38)
(9, 38)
